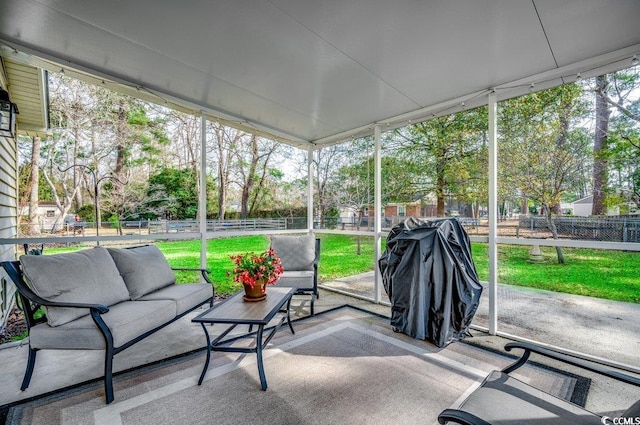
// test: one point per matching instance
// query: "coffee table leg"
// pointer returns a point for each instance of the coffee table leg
(206, 363)
(263, 378)
(289, 316)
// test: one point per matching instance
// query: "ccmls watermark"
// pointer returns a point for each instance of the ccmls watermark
(606, 420)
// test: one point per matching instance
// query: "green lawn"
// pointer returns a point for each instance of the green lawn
(334, 250)
(613, 275)
(597, 273)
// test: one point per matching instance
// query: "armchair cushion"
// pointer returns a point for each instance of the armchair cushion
(302, 280)
(144, 269)
(296, 252)
(88, 276)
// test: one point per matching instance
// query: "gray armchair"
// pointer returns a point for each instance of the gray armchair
(503, 399)
(300, 256)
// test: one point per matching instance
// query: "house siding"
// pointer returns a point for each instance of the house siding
(8, 218)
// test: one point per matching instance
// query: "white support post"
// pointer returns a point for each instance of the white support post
(378, 211)
(202, 202)
(493, 214)
(310, 189)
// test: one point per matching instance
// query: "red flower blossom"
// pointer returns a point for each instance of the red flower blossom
(251, 268)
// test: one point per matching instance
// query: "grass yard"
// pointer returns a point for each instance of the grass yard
(334, 250)
(612, 275)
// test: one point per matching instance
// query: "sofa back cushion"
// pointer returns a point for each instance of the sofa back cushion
(143, 268)
(88, 276)
(296, 252)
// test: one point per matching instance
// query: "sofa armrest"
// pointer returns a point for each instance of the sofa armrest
(205, 272)
(565, 358)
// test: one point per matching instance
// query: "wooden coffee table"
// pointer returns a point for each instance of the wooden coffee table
(235, 311)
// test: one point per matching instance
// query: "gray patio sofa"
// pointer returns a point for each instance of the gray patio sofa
(100, 299)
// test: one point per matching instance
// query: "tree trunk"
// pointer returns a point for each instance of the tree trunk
(554, 231)
(248, 184)
(440, 195)
(34, 187)
(524, 207)
(600, 162)
(222, 194)
(77, 173)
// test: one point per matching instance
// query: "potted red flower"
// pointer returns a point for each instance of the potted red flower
(255, 272)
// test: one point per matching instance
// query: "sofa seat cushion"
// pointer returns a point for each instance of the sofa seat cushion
(88, 276)
(186, 296)
(302, 279)
(504, 399)
(143, 268)
(127, 320)
(296, 252)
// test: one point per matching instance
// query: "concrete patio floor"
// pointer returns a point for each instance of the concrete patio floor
(55, 369)
(597, 327)
(60, 369)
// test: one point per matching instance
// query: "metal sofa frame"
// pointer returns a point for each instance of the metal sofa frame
(30, 303)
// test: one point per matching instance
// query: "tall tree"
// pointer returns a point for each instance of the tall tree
(34, 183)
(225, 140)
(600, 148)
(327, 162)
(441, 148)
(539, 149)
(172, 194)
(252, 162)
(623, 138)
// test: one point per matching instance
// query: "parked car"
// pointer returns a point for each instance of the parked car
(72, 221)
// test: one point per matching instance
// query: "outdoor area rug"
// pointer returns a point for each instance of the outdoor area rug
(344, 367)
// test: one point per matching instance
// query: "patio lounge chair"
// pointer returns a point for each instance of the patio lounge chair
(300, 256)
(502, 399)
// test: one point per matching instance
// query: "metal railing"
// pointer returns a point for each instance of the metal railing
(608, 229)
(150, 227)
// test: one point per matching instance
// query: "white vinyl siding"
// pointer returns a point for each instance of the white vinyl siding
(8, 217)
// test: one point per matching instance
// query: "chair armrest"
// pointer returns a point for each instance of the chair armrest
(316, 259)
(205, 272)
(460, 417)
(575, 361)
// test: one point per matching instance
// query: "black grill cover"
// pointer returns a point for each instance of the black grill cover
(432, 283)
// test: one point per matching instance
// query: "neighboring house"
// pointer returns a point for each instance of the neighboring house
(403, 209)
(584, 206)
(47, 215)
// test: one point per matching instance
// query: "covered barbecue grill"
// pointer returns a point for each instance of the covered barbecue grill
(431, 280)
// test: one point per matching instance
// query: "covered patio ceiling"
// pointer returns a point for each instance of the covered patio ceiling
(322, 71)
